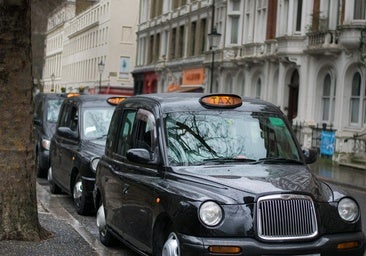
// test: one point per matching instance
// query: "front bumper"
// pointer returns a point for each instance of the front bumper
(323, 246)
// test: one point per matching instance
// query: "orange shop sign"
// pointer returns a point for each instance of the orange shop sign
(193, 76)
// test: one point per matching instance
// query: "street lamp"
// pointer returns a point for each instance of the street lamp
(53, 81)
(214, 41)
(101, 69)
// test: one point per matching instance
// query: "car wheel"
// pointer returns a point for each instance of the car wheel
(54, 189)
(171, 245)
(104, 235)
(82, 205)
(39, 170)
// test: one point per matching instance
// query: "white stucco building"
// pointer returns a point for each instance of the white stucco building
(307, 57)
(104, 33)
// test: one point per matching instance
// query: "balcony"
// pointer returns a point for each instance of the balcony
(350, 35)
(323, 43)
(288, 45)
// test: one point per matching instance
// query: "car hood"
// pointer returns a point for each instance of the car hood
(259, 179)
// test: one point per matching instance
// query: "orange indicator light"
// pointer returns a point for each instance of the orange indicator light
(347, 245)
(157, 200)
(224, 249)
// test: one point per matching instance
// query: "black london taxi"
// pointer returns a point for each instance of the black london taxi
(46, 110)
(78, 141)
(201, 174)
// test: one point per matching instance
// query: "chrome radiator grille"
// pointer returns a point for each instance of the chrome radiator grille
(285, 217)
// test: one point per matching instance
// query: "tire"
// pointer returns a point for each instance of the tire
(105, 236)
(83, 207)
(166, 242)
(171, 245)
(39, 171)
(54, 189)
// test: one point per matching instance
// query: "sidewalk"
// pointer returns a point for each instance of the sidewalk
(66, 240)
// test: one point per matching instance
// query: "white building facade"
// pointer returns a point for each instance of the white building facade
(103, 34)
(307, 57)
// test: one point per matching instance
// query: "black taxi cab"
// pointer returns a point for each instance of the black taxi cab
(78, 141)
(201, 174)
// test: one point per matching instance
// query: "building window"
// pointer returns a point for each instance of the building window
(360, 10)
(355, 98)
(328, 99)
(192, 42)
(258, 89)
(181, 42)
(261, 21)
(203, 29)
(234, 20)
(298, 16)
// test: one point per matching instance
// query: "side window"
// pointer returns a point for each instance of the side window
(145, 132)
(125, 133)
(74, 119)
(64, 113)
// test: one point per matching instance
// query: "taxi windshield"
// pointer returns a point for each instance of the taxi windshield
(96, 122)
(195, 138)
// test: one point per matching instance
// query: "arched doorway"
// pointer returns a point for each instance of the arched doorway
(293, 97)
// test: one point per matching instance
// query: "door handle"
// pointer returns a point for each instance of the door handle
(125, 189)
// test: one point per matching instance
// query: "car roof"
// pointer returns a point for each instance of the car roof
(173, 102)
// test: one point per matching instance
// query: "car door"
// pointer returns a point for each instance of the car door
(137, 183)
(112, 177)
(66, 145)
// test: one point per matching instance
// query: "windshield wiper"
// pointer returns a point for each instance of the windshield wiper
(100, 137)
(228, 160)
(279, 160)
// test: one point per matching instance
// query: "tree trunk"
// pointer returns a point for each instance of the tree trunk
(18, 202)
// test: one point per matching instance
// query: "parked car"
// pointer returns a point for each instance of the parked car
(200, 174)
(78, 141)
(46, 110)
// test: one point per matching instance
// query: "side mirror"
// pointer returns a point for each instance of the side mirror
(140, 155)
(67, 133)
(311, 155)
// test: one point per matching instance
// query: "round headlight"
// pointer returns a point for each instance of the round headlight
(348, 209)
(210, 213)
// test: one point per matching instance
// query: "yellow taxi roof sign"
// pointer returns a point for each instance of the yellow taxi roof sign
(115, 100)
(221, 101)
(72, 94)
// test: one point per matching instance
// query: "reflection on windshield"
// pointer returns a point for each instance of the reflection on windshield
(53, 109)
(199, 137)
(96, 122)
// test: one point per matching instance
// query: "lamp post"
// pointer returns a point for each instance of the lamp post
(100, 69)
(214, 40)
(53, 82)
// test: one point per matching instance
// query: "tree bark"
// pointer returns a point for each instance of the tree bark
(18, 202)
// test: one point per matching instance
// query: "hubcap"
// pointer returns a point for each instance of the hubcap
(78, 190)
(171, 246)
(101, 220)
